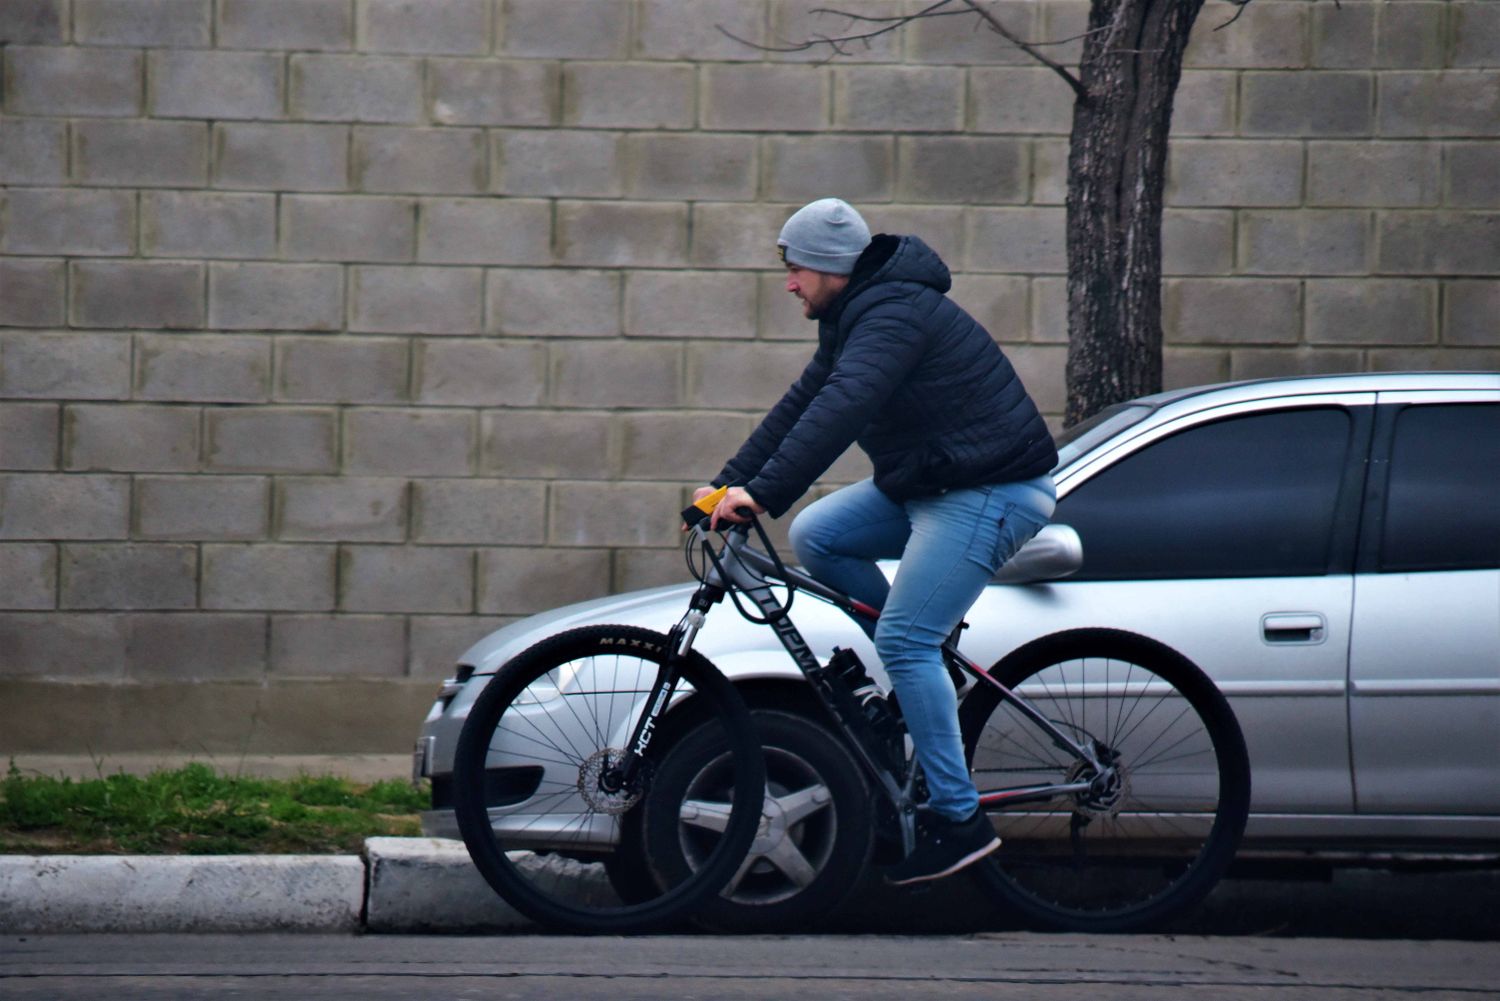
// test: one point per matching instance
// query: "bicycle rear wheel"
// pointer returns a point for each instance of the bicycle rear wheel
(1142, 847)
(535, 798)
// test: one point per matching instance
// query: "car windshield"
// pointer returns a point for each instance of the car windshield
(1107, 423)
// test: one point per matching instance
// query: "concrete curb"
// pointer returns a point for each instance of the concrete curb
(399, 885)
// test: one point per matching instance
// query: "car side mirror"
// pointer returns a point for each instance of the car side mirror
(1056, 551)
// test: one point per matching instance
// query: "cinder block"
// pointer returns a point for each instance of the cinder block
(275, 296)
(628, 95)
(143, 154)
(1307, 104)
(70, 366)
(348, 228)
(410, 300)
(764, 98)
(700, 29)
(205, 645)
(437, 640)
(691, 166)
(964, 40)
(795, 23)
(1231, 311)
(1415, 36)
(61, 646)
(621, 234)
(113, 576)
(221, 508)
(458, 27)
(409, 442)
(547, 444)
(67, 221)
(485, 231)
(610, 374)
(1372, 311)
(1042, 370)
(30, 433)
(559, 162)
(32, 293)
(208, 224)
(142, 22)
(225, 368)
(281, 157)
(64, 506)
(694, 304)
(1343, 37)
(341, 509)
(999, 304)
(898, 98)
(1470, 309)
(1270, 36)
(1438, 104)
(584, 29)
(1234, 174)
(741, 376)
(941, 227)
(553, 302)
(861, 168)
(1206, 103)
(1276, 363)
(356, 88)
(1049, 310)
(1027, 240)
(637, 569)
(271, 578)
(486, 512)
(1183, 367)
(684, 447)
(33, 22)
(1197, 242)
(28, 579)
(959, 170)
(210, 84)
(33, 152)
(1020, 100)
(1470, 177)
(1432, 360)
(286, 24)
(489, 92)
(406, 579)
(1377, 174)
(424, 161)
(72, 81)
(641, 514)
(1049, 171)
(153, 294)
(130, 437)
(729, 235)
(1426, 243)
(1305, 242)
(341, 369)
(338, 645)
(271, 440)
(479, 373)
(520, 581)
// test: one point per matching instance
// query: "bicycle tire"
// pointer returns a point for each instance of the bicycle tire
(528, 798)
(1145, 850)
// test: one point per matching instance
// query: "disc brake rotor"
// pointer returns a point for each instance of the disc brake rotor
(1103, 799)
(592, 787)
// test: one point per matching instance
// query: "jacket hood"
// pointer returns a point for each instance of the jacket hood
(899, 259)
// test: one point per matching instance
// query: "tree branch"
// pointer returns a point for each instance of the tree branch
(1072, 81)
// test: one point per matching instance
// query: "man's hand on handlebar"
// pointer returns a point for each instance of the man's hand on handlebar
(733, 507)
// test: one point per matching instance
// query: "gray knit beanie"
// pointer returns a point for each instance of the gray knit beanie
(826, 235)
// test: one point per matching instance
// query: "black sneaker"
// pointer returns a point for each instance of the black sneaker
(944, 848)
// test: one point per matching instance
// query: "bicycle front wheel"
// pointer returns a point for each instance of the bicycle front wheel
(542, 808)
(1154, 836)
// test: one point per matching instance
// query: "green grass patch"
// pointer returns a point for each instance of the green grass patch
(196, 810)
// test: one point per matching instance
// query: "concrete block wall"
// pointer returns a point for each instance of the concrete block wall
(335, 333)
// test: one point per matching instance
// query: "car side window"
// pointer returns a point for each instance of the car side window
(1443, 500)
(1250, 496)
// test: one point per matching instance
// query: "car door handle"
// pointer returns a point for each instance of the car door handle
(1293, 627)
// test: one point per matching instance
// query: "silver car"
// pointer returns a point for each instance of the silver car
(1327, 549)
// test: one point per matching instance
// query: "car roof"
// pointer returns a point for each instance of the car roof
(1309, 385)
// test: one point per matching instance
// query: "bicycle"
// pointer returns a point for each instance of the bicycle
(609, 778)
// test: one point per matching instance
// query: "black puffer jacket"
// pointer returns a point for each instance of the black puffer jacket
(904, 371)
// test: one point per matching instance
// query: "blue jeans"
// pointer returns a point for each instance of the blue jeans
(949, 547)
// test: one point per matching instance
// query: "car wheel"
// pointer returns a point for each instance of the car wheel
(815, 836)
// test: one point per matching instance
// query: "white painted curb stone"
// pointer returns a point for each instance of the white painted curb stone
(429, 884)
(220, 893)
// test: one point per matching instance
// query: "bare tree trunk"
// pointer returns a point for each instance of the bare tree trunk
(1131, 65)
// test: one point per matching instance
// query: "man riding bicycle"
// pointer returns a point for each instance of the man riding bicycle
(961, 459)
